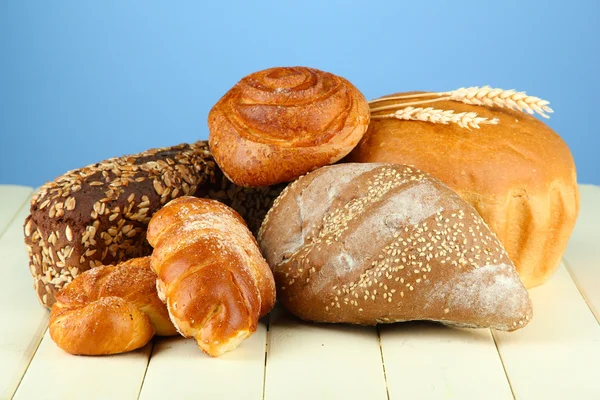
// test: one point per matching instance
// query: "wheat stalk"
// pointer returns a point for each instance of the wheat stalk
(430, 114)
(501, 98)
(478, 96)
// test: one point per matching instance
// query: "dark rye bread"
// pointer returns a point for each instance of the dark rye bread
(98, 215)
(381, 243)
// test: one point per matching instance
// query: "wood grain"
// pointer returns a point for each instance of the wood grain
(557, 355)
(13, 197)
(179, 367)
(24, 319)
(432, 361)
(327, 361)
(582, 257)
(55, 374)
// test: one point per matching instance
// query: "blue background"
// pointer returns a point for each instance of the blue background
(84, 81)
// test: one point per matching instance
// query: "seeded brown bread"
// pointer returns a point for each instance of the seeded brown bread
(211, 275)
(277, 124)
(98, 215)
(109, 310)
(381, 243)
(519, 175)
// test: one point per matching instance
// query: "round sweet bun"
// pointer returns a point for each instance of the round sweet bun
(277, 124)
(518, 174)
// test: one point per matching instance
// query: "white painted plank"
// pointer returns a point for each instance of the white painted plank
(431, 361)
(24, 319)
(582, 257)
(179, 368)
(55, 374)
(557, 356)
(12, 198)
(324, 361)
(52, 374)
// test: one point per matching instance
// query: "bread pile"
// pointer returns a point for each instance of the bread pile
(422, 220)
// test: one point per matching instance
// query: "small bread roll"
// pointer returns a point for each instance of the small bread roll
(381, 243)
(109, 310)
(518, 174)
(280, 123)
(211, 275)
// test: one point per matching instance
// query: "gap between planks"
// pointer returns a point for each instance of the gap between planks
(325, 360)
(387, 389)
(36, 341)
(268, 318)
(578, 285)
(557, 354)
(146, 370)
(581, 256)
(512, 390)
(18, 196)
(429, 360)
(18, 348)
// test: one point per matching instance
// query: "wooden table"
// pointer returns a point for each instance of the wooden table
(556, 357)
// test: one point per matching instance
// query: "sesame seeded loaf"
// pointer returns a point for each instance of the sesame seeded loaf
(98, 215)
(382, 243)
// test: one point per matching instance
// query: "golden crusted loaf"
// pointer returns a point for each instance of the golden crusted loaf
(379, 243)
(109, 310)
(277, 124)
(211, 275)
(519, 175)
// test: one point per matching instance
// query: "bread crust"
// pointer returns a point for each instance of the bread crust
(109, 310)
(379, 243)
(98, 215)
(277, 124)
(211, 275)
(519, 175)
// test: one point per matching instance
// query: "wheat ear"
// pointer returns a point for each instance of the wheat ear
(501, 98)
(430, 114)
(476, 95)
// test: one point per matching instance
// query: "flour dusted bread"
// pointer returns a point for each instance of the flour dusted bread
(98, 215)
(211, 275)
(109, 310)
(378, 243)
(518, 174)
(277, 124)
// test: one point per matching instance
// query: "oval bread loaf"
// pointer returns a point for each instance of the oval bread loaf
(378, 243)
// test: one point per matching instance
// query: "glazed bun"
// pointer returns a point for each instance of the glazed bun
(277, 124)
(519, 175)
(109, 309)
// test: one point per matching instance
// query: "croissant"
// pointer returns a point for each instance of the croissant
(109, 310)
(277, 124)
(211, 274)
